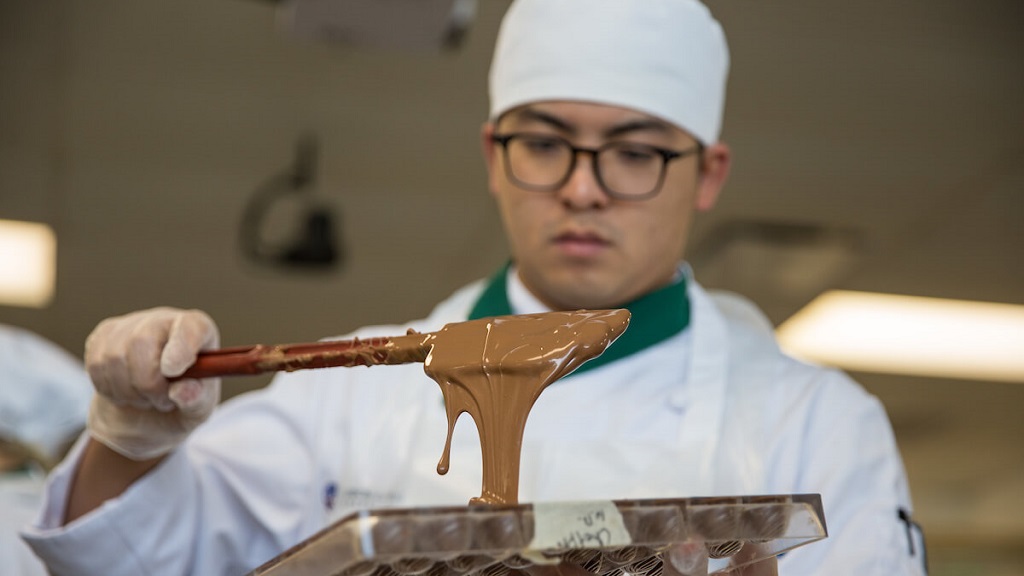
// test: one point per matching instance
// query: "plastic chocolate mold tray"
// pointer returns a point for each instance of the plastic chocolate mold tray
(604, 537)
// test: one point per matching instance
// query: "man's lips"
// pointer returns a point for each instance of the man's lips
(580, 244)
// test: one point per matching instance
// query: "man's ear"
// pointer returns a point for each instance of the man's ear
(490, 152)
(715, 166)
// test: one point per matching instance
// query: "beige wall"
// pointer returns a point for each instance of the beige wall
(139, 130)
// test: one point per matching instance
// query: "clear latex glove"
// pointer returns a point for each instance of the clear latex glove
(691, 559)
(688, 558)
(136, 411)
(751, 551)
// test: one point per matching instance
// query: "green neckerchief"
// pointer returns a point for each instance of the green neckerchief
(654, 317)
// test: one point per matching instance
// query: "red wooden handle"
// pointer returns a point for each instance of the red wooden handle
(260, 358)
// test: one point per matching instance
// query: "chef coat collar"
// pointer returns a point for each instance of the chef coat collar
(655, 317)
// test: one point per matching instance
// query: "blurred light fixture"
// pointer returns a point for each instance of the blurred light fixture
(28, 264)
(785, 264)
(909, 335)
(313, 245)
(411, 25)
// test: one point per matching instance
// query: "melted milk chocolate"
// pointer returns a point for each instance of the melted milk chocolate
(495, 369)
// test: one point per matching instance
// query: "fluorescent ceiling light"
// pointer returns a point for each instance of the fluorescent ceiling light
(28, 264)
(909, 335)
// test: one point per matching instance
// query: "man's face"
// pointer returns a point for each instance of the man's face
(576, 247)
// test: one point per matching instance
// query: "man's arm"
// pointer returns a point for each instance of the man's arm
(851, 458)
(102, 474)
(137, 415)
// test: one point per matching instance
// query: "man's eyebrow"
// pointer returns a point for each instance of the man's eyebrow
(531, 114)
(638, 126)
(644, 124)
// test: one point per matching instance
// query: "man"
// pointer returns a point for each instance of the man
(601, 146)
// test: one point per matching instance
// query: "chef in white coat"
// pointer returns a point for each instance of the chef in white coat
(44, 399)
(602, 145)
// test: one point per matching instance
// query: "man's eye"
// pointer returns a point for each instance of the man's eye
(541, 145)
(635, 154)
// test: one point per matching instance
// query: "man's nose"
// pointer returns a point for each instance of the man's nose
(582, 190)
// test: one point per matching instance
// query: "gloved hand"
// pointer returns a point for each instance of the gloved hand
(691, 559)
(136, 411)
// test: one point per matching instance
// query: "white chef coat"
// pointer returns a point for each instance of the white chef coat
(20, 496)
(713, 410)
(44, 399)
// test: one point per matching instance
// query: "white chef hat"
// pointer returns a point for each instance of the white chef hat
(667, 58)
(44, 393)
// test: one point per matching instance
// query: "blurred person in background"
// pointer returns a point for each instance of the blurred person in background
(44, 399)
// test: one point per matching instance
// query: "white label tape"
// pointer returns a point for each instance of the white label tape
(578, 525)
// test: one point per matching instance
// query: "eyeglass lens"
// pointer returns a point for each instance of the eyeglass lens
(622, 168)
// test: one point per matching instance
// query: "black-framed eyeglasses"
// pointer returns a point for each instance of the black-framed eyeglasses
(624, 170)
